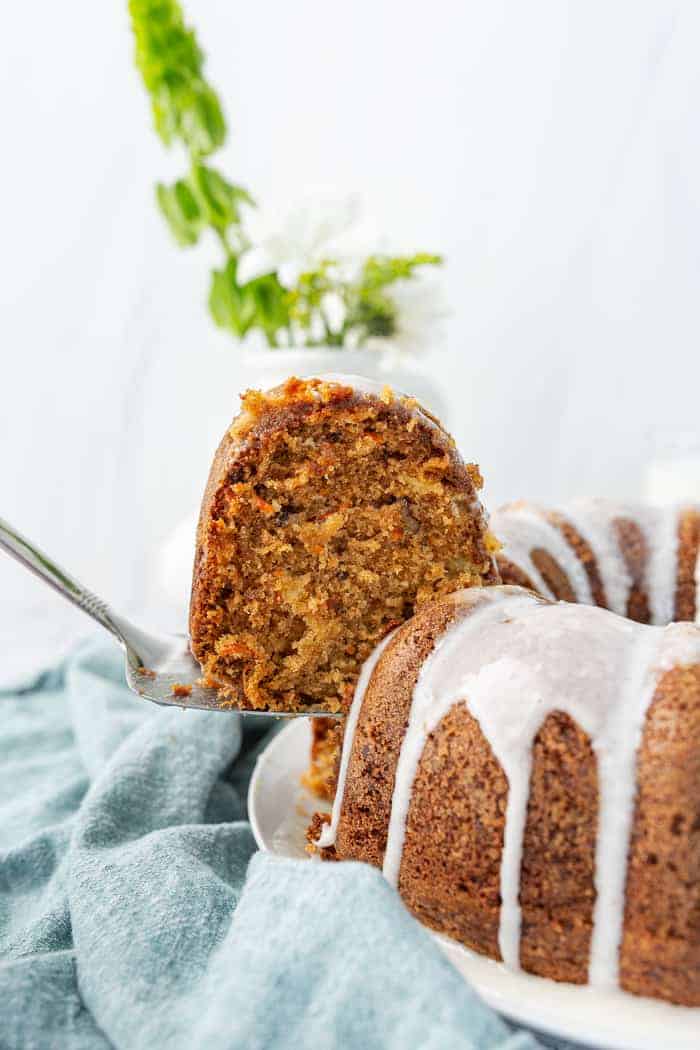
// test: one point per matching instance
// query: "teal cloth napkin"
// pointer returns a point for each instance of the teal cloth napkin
(134, 913)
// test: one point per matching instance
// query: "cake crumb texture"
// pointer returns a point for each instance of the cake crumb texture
(330, 515)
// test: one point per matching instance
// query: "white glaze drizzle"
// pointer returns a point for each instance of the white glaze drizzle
(518, 529)
(661, 524)
(329, 831)
(593, 520)
(521, 529)
(499, 661)
(615, 746)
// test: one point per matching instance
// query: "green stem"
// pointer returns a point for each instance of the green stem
(221, 234)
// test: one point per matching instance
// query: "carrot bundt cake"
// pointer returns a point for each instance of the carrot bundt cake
(639, 561)
(524, 771)
(527, 774)
(334, 508)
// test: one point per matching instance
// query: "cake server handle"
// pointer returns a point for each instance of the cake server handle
(143, 648)
(20, 548)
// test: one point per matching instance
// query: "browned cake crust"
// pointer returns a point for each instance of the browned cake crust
(377, 741)
(553, 575)
(512, 573)
(452, 882)
(688, 546)
(329, 516)
(583, 552)
(636, 555)
(660, 952)
(450, 868)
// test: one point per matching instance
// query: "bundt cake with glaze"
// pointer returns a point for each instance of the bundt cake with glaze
(333, 509)
(640, 561)
(527, 773)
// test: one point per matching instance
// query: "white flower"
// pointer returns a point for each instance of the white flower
(352, 338)
(334, 311)
(420, 313)
(299, 335)
(292, 243)
(317, 327)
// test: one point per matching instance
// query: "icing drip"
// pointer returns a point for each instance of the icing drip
(329, 831)
(593, 520)
(513, 661)
(522, 529)
(509, 683)
(662, 566)
(433, 697)
(615, 745)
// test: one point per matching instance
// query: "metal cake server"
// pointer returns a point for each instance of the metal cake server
(159, 667)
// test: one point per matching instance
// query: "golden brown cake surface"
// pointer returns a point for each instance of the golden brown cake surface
(333, 510)
(326, 743)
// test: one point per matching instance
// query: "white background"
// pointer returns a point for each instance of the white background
(549, 149)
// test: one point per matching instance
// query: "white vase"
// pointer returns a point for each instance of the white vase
(264, 369)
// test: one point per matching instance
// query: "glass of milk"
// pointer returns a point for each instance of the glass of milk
(673, 466)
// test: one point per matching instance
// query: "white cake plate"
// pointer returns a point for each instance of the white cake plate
(280, 809)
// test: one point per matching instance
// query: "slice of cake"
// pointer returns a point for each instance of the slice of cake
(334, 508)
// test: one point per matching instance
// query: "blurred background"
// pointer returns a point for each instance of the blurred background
(550, 151)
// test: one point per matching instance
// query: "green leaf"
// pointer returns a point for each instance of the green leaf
(164, 113)
(231, 306)
(181, 210)
(271, 302)
(259, 304)
(171, 64)
(201, 122)
(219, 198)
(163, 43)
(374, 313)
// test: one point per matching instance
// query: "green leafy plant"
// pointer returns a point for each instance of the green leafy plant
(326, 303)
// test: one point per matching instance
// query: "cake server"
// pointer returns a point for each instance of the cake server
(158, 667)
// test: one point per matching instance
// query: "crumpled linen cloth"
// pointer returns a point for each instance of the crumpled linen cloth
(135, 911)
